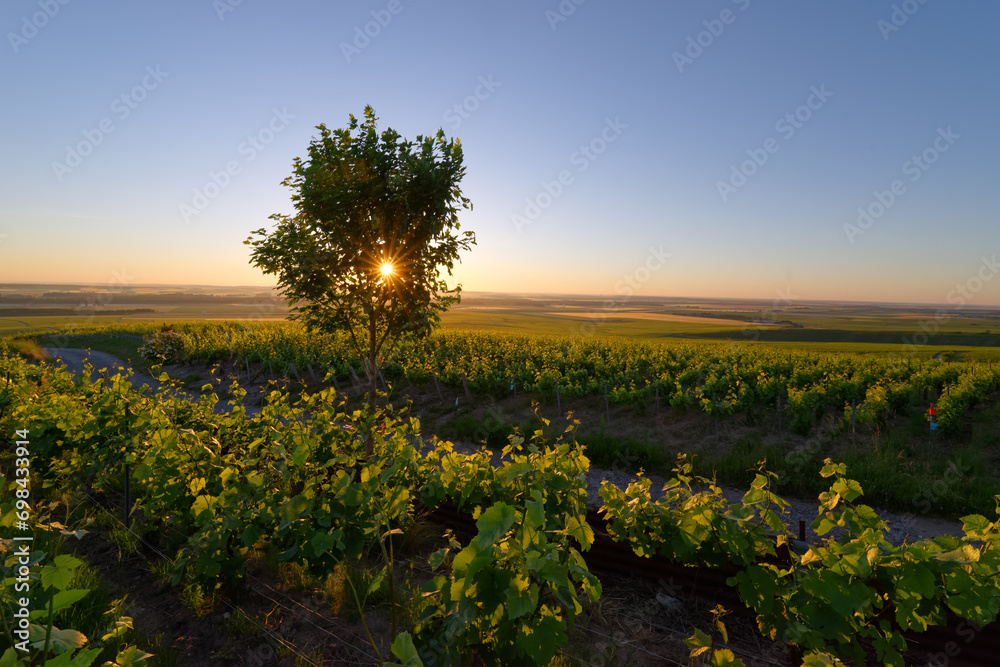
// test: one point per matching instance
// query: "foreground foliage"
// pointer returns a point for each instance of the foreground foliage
(295, 479)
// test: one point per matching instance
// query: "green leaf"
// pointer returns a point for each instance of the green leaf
(699, 643)
(976, 526)
(292, 509)
(321, 543)
(830, 468)
(757, 586)
(723, 657)
(403, 648)
(494, 523)
(132, 657)
(84, 658)
(580, 531)
(122, 625)
(438, 557)
(539, 638)
(820, 659)
(521, 597)
(250, 535)
(63, 599)
(376, 582)
(847, 488)
(201, 505)
(10, 659)
(60, 641)
(60, 573)
(302, 452)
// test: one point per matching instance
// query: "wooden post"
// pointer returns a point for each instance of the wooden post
(270, 367)
(779, 415)
(313, 374)
(385, 385)
(128, 520)
(468, 394)
(247, 360)
(294, 370)
(435, 376)
(854, 407)
(355, 376)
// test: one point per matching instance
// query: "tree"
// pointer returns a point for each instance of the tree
(376, 223)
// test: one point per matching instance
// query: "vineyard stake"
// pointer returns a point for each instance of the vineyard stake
(436, 385)
(607, 408)
(127, 503)
(313, 374)
(294, 370)
(355, 376)
(385, 385)
(247, 360)
(465, 384)
(854, 407)
(779, 415)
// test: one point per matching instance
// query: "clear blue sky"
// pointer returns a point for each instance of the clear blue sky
(668, 98)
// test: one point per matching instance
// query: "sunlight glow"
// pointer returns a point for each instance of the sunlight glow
(386, 270)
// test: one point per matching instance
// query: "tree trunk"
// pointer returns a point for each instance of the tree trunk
(372, 378)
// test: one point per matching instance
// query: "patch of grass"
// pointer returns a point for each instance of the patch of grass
(162, 569)
(194, 598)
(238, 624)
(336, 590)
(738, 466)
(613, 452)
(297, 577)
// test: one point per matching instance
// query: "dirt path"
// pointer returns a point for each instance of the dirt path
(75, 359)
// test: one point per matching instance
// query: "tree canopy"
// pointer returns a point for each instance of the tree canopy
(375, 231)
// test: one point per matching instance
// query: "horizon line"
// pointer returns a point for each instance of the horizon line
(614, 297)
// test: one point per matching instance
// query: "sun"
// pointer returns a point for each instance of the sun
(386, 270)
